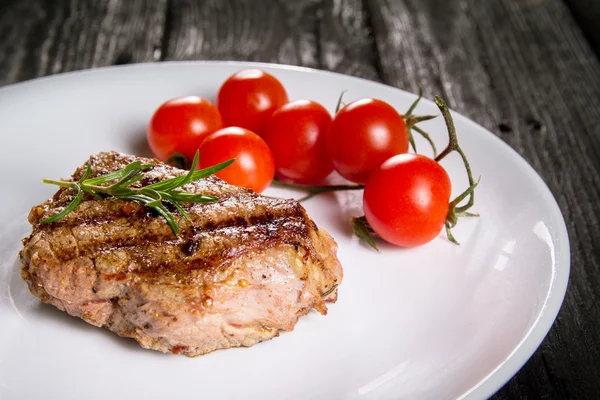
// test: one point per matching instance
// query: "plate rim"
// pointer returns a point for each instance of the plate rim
(544, 321)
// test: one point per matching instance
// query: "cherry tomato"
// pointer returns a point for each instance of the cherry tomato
(406, 199)
(248, 99)
(296, 136)
(363, 135)
(253, 168)
(180, 125)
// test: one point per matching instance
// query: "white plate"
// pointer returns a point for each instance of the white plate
(436, 322)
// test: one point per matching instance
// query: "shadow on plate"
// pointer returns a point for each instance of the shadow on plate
(139, 145)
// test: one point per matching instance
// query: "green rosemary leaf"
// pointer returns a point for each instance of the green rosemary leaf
(114, 191)
(203, 173)
(87, 173)
(119, 174)
(190, 174)
(154, 203)
(136, 179)
(96, 195)
(167, 197)
(154, 196)
(174, 183)
(140, 198)
(99, 180)
(63, 184)
(166, 214)
(74, 203)
(128, 179)
(181, 210)
(180, 196)
(169, 184)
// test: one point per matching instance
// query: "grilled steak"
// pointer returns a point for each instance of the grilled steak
(243, 268)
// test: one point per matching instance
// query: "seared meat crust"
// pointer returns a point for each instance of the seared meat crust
(242, 268)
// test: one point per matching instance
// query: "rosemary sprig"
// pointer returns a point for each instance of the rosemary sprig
(155, 196)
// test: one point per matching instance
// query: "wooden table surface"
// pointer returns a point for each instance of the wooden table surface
(527, 70)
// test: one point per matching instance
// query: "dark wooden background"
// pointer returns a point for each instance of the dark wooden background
(528, 70)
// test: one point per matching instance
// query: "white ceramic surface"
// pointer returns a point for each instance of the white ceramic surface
(436, 322)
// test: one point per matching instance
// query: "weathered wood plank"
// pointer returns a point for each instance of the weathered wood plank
(60, 36)
(327, 34)
(15, 45)
(587, 14)
(57, 36)
(523, 70)
(346, 43)
(236, 30)
(555, 79)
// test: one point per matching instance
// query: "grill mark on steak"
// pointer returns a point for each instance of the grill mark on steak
(263, 229)
(151, 260)
(95, 212)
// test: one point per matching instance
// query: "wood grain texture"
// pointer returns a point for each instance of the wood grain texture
(523, 69)
(587, 14)
(62, 36)
(328, 34)
(346, 42)
(235, 30)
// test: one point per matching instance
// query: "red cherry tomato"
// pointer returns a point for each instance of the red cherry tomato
(363, 135)
(253, 168)
(296, 136)
(180, 125)
(406, 199)
(248, 99)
